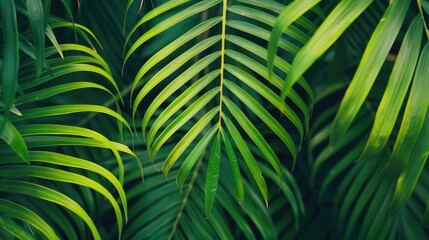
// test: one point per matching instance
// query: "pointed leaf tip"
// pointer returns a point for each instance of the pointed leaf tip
(212, 176)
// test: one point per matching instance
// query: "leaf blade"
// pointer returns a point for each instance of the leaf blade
(212, 176)
(10, 53)
(330, 30)
(288, 15)
(396, 90)
(37, 21)
(13, 138)
(375, 54)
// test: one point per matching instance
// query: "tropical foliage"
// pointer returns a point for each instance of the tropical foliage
(255, 119)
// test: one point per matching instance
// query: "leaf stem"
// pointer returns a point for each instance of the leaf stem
(419, 4)
(222, 64)
(185, 199)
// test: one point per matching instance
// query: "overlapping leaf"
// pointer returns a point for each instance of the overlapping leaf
(366, 208)
(47, 119)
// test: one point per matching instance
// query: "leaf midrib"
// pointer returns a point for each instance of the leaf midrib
(222, 63)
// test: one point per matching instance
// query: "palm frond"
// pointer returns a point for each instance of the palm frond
(364, 206)
(217, 79)
(31, 156)
(160, 211)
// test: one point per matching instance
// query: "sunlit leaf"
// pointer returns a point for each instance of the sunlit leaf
(13, 138)
(375, 54)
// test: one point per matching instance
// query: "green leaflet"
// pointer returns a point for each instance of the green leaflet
(10, 53)
(198, 152)
(50, 195)
(277, 7)
(55, 129)
(425, 5)
(81, 48)
(408, 224)
(49, 141)
(69, 109)
(37, 21)
(83, 31)
(248, 157)
(255, 135)
(15, 229)
(50, 34)
(212, 176)
(262, 89)
(68, 161)
(178, 82)
(263, 34)
(12, 109)
(396, 89)
(375, 54)
(288, 15)
(56, 90)
(294, 198)
(69, 15)
(152, 14)
(62, 70)
(187, 139)
(294, 32)
(351, 188)
(44, 141)
(168, 69)
(361, 192)
(264, 115)
(274, 79)
(326, 35)
(181, 101)
(173, 46)
(406, 183)
(413, 119)
(234, 166)
(179, 121)
(20, 212)
(255, 212)
(64, 176)
(166, 24)
(377, 214)
(29, 49)
(130, 2)
(352, 137)
(13, 138)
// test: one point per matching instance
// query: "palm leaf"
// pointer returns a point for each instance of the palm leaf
(363, 204)
(45, 98)
(36, 17)
(382, 39)
(183, 214)
(396, 90)
(17, 211)
(10, 60)
(209, 69)
(330, 30)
